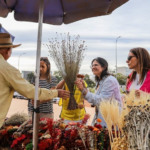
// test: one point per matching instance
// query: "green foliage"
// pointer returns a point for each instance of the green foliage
(30, 77)
(90, 83)
(103, 142)
(92, 90)
(121, 78)
(11, 131)
(29, 146)
(58, 76)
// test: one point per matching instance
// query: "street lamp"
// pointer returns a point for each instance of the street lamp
(19, 59)
(116, 52)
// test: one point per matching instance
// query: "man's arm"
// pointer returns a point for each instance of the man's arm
(19, 84)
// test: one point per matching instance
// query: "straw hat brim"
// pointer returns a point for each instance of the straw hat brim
(13, 46)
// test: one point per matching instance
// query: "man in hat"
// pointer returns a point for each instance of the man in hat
(11, 80)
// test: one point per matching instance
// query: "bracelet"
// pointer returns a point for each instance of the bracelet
(84, 91)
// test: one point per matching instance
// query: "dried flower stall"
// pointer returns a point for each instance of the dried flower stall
(130, 130)
(131, 127)
(55, 135)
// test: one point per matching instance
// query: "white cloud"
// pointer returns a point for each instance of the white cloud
(130, 21)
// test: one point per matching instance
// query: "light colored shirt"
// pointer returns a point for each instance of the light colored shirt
(108, 89)
(135, 84)
(10, 81)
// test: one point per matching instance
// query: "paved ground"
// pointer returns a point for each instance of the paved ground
(20, 106)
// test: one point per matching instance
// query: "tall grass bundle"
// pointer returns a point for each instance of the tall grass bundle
(132, 124)
(137, 120)
(68, 55)
(110, 111)
(132, 100)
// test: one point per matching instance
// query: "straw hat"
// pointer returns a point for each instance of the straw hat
(6, 41)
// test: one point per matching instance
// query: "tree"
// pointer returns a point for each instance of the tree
(90, 83)
(121, 78)
(58, 75)
(30, 77)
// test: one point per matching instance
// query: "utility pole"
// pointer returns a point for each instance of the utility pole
(116, 53)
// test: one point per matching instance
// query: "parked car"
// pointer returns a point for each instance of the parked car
(18, 96)
(56, 100)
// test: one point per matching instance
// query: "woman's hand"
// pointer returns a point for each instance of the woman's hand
(137, 93)
(80, 84)
(60, 85)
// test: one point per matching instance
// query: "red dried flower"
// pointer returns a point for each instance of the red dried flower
(72, 123)
(73, 133)
(98, 126)
(43, 145)
(67, 133)
(85, 119)
(4, 132)
(90, 128)
(22, 137)
(79, 143)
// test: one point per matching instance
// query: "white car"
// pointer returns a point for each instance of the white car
(18, 96)
(56, 100)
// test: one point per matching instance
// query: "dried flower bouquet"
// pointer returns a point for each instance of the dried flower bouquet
(129, 129)
(68, 55)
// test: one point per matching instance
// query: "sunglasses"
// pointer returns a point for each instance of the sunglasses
(130, 57)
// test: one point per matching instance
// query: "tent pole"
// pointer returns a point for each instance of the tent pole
(38, 55)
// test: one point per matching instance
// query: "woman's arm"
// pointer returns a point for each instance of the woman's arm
(81, 86)
(106, 93)
(60, 84)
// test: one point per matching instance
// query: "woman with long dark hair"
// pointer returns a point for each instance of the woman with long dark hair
(139, 61)
(107, 87)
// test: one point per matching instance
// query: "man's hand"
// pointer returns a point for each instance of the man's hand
(63, 94)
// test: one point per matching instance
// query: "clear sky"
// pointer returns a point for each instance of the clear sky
(130, 21)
